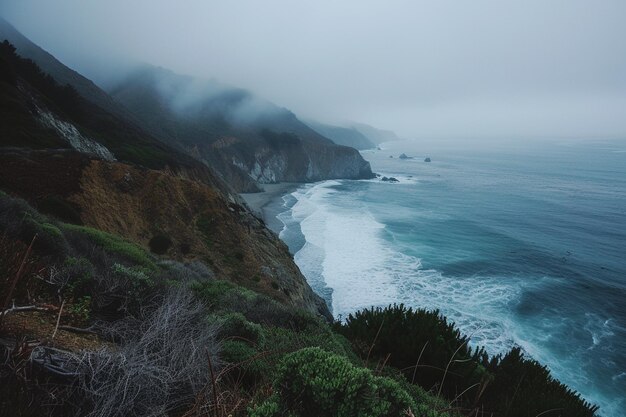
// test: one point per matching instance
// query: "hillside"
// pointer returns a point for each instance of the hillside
(38, 113)
(61, 73)
(343, 135)
(247, 139)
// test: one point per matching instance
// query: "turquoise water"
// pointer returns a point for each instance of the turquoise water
(520, 245)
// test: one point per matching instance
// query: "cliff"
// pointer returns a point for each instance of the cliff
(246, 139)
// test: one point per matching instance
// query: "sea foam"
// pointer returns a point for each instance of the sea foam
(349, 251)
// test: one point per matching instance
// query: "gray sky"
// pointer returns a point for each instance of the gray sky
(479, 68)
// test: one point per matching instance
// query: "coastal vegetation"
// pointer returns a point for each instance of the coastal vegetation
(97, 323)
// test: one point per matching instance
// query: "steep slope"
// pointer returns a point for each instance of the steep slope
(38, 113)
(61, 153)
(61, 73)
(141, 204)
(247, 139)
(343, 135)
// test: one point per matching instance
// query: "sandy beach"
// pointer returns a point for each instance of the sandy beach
(261, 203)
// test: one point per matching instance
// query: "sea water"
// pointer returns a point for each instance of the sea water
(521, 244)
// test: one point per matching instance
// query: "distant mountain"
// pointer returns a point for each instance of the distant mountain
(374, 134)
(347, 136)
(247, 139)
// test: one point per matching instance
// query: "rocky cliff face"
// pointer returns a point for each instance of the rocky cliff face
(303, 163)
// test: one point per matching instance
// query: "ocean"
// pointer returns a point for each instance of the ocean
(519, 244)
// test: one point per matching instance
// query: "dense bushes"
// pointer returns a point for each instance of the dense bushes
(433, 353)
(523, 387)
(115, 244)
(60, 208)
(313, 382)
(19, 221)
(162, 321)
(420, 343)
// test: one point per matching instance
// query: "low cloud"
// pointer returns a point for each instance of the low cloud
(484, 68)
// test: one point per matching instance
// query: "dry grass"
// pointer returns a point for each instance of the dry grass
(160, 365)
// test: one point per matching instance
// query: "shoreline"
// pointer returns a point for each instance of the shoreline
(262, 203)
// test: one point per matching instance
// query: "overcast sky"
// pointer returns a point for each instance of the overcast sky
(479, 68)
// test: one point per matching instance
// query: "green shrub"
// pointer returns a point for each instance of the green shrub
(19, 221)
(288, 340)
(511, 386)
(313, 382)
(79, 273)
(81, 308)
(115, 244)
(136, 274)
(228, 297)
(235, 325)
(249, 366)
(523, 387)
(406, 335)
(215, 293)
(51, 230)
(159, 244)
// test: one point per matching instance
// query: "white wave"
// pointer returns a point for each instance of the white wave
(345, 250)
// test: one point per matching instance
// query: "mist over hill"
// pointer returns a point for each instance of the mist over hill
(246, 138)
(343, 135)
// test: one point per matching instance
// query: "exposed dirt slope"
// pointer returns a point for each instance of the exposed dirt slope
(139, 204)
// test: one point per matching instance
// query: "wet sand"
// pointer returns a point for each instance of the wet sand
(261, 203)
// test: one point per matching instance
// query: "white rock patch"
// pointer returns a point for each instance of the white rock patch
(69, 132)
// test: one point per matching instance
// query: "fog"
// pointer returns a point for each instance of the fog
(426, 69)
